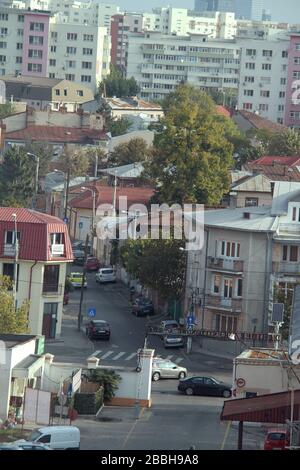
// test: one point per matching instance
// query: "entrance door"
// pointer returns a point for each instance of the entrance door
(50, 320)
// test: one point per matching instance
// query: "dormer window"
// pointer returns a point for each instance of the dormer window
(57, 241)
(296, 214)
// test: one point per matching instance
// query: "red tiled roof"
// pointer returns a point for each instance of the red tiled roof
(279, 160)
(222, 110)
(56, 134)
(105, 195)
(279, 173)
(35, 229)
(261, 123)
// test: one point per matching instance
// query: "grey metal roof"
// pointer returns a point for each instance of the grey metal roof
(12, 340)
(284, 192)
(27, 361)
(133, 170)
(34, 81)
(254, 183)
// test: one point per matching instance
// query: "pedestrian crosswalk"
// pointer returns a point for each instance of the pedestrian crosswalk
(113, 355)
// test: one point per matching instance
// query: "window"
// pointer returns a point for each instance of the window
(239, 287)
(35, 53)
(227, 288)
(34, 68)
(230, 249)
(216, 284)
(19, 45)
(226, 323)
(70, 77)
(250, 65)
(296, 74)
(264, 107)
(267, 53)
(9, 271)
(20, 32)
(282, 94)
(265, 93)
(249, 79)
(52, 62)
(10, 237)
(53, 48)
(248, 92)
(18, 60)
(45, 439)
(297, 60)
(281, 107)
(71, 50)
(51, 75)
(290, 253)
(71, 64)
(3, 16)
(247, 105)
(266, 66)
(54, 35)
(251, 201)
(250, 52)
(3, 45)
(285, 54)
(79, 92)
(88, 37)
(36, 40)
(280, 120)
(21, 18)
(294, 216)
(86, 65)
(57, 92)
(86, 78)
(72, 36)
(297, 46)
(65, 92)
(3, 31)
(87, 51)
(51, 276)
(37, 27)
(283, 81)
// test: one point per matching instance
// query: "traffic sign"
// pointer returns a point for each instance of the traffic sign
(66, 220)
(241, 382)
(190, 320)
(80, 225)
(91, 312)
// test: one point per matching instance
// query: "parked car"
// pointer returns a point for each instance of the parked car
(78, 257)
(207, 386)
(165, 369)
(66, 298)
(56, 437)
(9, 447)
(142, 307)
(173, 341)
(92, 263)
(106, 275)
(277, 439)
(80, 245)
(169, 326)
(97, 329)
(76, 279)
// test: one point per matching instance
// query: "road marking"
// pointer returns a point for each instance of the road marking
(179, 359)
(107, 354)
(95, 353)
(118, 356)
(169, 357)
(131, 356)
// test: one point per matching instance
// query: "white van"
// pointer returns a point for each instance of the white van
(56, 437)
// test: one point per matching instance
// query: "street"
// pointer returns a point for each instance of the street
(174, 421)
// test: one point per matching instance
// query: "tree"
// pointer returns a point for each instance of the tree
(136, 150)
(116, 85)
(17, 178)
(158, 264)
(109, 379)
(97, 158)
(285, 298)
(118, 126)
(285, 143)
(192, 152)
(45, 154)
(12, 320)
(6, 109)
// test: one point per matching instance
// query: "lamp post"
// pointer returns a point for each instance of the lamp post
(16, 252)
(37, 166)
(84, 188)
(63, 208)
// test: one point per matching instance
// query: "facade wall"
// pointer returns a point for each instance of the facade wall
(263, 199)
(292, 104)
(28, 63)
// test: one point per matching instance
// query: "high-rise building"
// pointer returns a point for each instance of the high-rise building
(249, 9)
(215, 5)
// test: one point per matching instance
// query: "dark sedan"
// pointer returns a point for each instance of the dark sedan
(142, 307)
(206, 386)
(98, 329)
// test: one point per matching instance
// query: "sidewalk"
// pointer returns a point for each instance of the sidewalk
(198, 349)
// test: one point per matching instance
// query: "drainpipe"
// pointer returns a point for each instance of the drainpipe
(268, 271)
(205, 271)
(30, 279)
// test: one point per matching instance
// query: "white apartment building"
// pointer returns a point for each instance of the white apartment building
(159, 62)
(263, 76)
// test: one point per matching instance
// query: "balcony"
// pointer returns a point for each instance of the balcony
(52, 290)
(285, 267)
(220, 303)
(9, 250)
(225, 265)
(57, 250)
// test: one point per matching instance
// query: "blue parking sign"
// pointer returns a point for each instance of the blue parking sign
(190, 320)
(91, 312)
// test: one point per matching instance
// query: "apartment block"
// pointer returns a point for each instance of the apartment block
(121, 25)
(292, 105)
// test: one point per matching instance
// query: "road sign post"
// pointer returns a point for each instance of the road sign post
(91, 312)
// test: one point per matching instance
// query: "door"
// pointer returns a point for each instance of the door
(50, 319)
(227, 292)
(46, 325)
(198, 385)
(209, 387)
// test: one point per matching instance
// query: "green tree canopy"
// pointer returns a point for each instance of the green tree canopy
(158, 264)
(45, 154)
(118, 126)
(74, 161)
(116, 85)
(6, 109)
(192, 152)
(136, 150)
(17, 178)
(12, 320)
(109, 379)
(286, 143)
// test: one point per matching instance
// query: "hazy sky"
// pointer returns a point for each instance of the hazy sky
(287, 10)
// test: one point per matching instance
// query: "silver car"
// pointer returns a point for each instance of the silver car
(165, 369)
(173, 341)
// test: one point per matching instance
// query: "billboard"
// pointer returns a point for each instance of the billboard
(294, 337)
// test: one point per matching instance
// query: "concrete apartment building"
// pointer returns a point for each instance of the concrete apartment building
(292, 108)
(247, 251)
(44, 251)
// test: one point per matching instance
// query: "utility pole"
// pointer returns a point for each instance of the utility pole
(67, 194)
(16, 253)
(115, 195)
(79, 320)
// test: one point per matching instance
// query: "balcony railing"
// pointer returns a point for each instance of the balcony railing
(50, 289)
(231, 305)
(224, 264)
(286, 267)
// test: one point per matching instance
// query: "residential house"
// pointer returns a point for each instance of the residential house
(127, 107)
(126, 175)
(247, 120)
(251, 190)
(44, 251)
(276, 168)
(247, 251)
(146, 135)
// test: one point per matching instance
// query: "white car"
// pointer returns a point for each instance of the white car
(166, 369)
(106, 275)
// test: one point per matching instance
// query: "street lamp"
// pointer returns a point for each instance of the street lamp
(37, 161)
(84, 188)
(63, 208)
(16, 251)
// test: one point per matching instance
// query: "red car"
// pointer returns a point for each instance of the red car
(277, 439)
(92, 264)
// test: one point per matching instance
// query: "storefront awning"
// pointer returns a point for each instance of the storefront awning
(28, 367)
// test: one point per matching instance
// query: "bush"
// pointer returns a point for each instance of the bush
(108, 379)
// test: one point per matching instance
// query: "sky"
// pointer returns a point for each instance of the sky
(287, 10)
